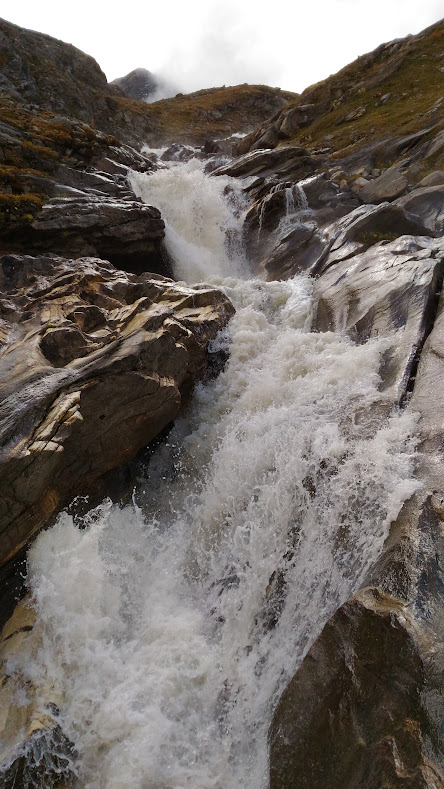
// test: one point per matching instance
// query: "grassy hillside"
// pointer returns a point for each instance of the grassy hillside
(396, 90)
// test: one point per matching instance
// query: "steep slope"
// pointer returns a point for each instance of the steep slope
(396, 90)
(36, 69)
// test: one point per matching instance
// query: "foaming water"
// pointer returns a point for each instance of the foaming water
(203, 219)
(170, 627)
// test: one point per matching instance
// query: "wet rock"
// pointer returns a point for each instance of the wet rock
(390, 290)
(94, 364)
(33, 749)
(353, 232)
(178, 153)
(292, 162)
(127, 232)
(297, 251)
(223, 147)
(365, 708)
(355, 713)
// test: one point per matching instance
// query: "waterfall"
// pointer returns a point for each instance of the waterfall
(202, 217)
(296, 203)
(171, 626)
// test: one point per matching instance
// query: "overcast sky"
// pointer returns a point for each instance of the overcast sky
(203, 44)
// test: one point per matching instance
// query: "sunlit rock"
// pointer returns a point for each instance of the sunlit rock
(93, 365)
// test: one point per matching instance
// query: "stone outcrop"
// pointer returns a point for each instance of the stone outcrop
(94, 365)
(356, 713)
(126, 232)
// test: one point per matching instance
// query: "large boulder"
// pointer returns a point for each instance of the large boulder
(386, 187)
(293, 162)
(125, 231)
(355, 716)
(94, 364)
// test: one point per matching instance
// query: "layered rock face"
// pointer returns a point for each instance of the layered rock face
(93, 367)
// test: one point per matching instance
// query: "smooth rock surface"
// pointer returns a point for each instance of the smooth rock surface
(428, 204)
(92, 368)
(390, 290)
(353, 232)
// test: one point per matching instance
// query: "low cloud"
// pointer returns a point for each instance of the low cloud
(221, 49)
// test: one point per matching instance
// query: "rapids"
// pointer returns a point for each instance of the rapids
(171, 625)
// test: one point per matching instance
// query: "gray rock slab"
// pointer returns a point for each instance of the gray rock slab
(389, 290)
(428, 204)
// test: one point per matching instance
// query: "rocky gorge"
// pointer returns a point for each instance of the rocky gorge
(256, 591)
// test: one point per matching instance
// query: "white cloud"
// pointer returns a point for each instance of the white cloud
(201, 44)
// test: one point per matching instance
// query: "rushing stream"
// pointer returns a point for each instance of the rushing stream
(171, 626)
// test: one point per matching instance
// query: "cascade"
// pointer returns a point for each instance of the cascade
(170, 626)
(296, 202)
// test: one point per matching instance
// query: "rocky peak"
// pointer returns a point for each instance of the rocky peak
(143, 85)
(38, 69)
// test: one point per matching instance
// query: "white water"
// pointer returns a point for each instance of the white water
(294, 208)
(170, 627)
(201, 215)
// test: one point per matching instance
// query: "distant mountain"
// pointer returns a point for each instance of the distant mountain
(40, 73)
(143, 85)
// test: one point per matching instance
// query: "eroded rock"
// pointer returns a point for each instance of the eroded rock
(93, 366)
(390, 290)
(125, 231)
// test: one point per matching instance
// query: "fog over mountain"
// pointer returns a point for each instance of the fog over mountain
(199, 45)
